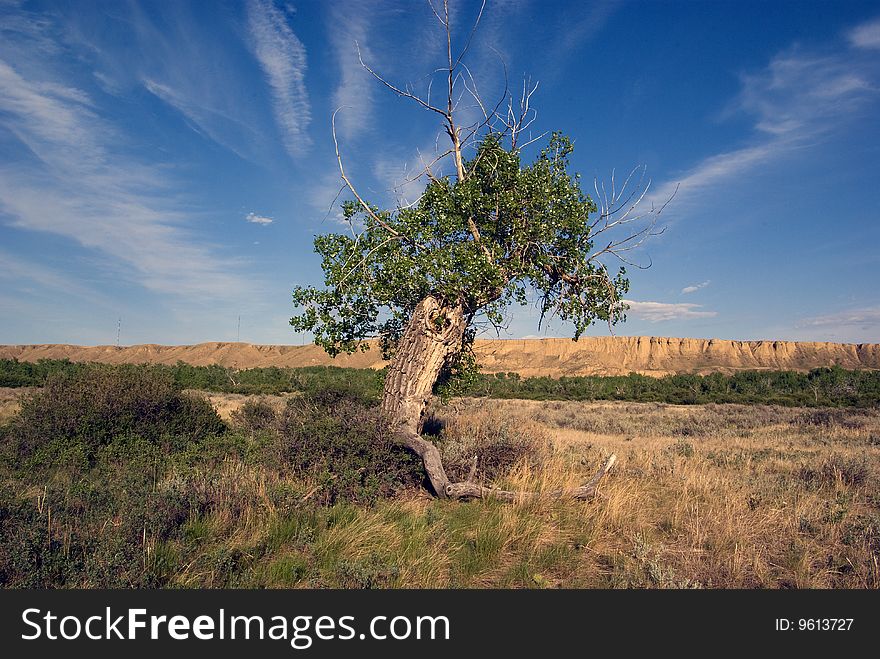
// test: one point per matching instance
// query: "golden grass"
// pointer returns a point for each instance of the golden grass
(228, 404)
(719, 496)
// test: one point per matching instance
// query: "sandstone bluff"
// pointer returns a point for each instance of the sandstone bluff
(529, 357)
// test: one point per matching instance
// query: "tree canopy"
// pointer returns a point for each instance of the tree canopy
(484, 241)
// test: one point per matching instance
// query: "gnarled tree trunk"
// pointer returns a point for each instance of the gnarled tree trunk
(431, 339)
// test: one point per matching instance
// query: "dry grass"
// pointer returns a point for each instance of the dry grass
(228, 404)
(10, 401)
(715, 496)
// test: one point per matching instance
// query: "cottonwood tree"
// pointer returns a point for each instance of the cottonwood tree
(421, 276)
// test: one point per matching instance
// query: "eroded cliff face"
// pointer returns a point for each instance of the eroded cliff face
(617, 355)
(662, 356)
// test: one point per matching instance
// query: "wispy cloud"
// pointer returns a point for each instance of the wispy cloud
(796, 99)
(262, 220)
(405, 179)
(356, 90)
(282, 57)
(865, 318)
(323, 195)
(76, 186)
(687, 189)
(866, 35)
(208, 120)
(656, 312)
(28, 278)
(799, 94)
(693, 288)
(180, 58)
(579, 24)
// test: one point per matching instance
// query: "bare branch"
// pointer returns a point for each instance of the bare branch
(473, 471)
(369, 210)
(488, 116)
(397, 90)
(333, 203)
(471, 35)
(470, 490)
(431, 5)
(620, 208)
(520, 119)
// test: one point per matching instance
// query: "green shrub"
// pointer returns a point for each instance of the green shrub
(339, 441)
(108, 473)
(681, 448)
(75, 415)
(821, 387)
(92, 534)
(255, 416)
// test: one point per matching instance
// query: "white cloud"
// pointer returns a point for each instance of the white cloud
(27, 278)
(183, 60)
(282, 57)
(694, 287)
(795, 99)
(867, 318)
(866, 35)
(707, 174)
(662, 311)
(357, 87)
(405, 180)
(580, 26)
(802, 94)
(76, 186)
(324, 196)
(253, 218)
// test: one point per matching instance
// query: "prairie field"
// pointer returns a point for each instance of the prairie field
(717, 496)
(304, 492)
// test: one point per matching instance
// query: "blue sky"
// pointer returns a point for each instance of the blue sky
(169, 162)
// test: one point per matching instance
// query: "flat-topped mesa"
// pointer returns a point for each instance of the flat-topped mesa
(613, 355)
(661, 356)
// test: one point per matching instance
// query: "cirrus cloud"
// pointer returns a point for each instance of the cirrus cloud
(656, 312)
(867, 318)
(282, 56)
(77, 185)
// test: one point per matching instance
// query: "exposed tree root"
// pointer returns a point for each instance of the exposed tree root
(468, 489)
(471, 490)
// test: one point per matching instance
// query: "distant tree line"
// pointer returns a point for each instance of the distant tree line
(361, 383)
(835, 387)
(819, 387)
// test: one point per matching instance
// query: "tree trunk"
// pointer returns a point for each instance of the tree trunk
(432, 337)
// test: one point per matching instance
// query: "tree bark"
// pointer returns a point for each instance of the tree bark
(431, 339)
